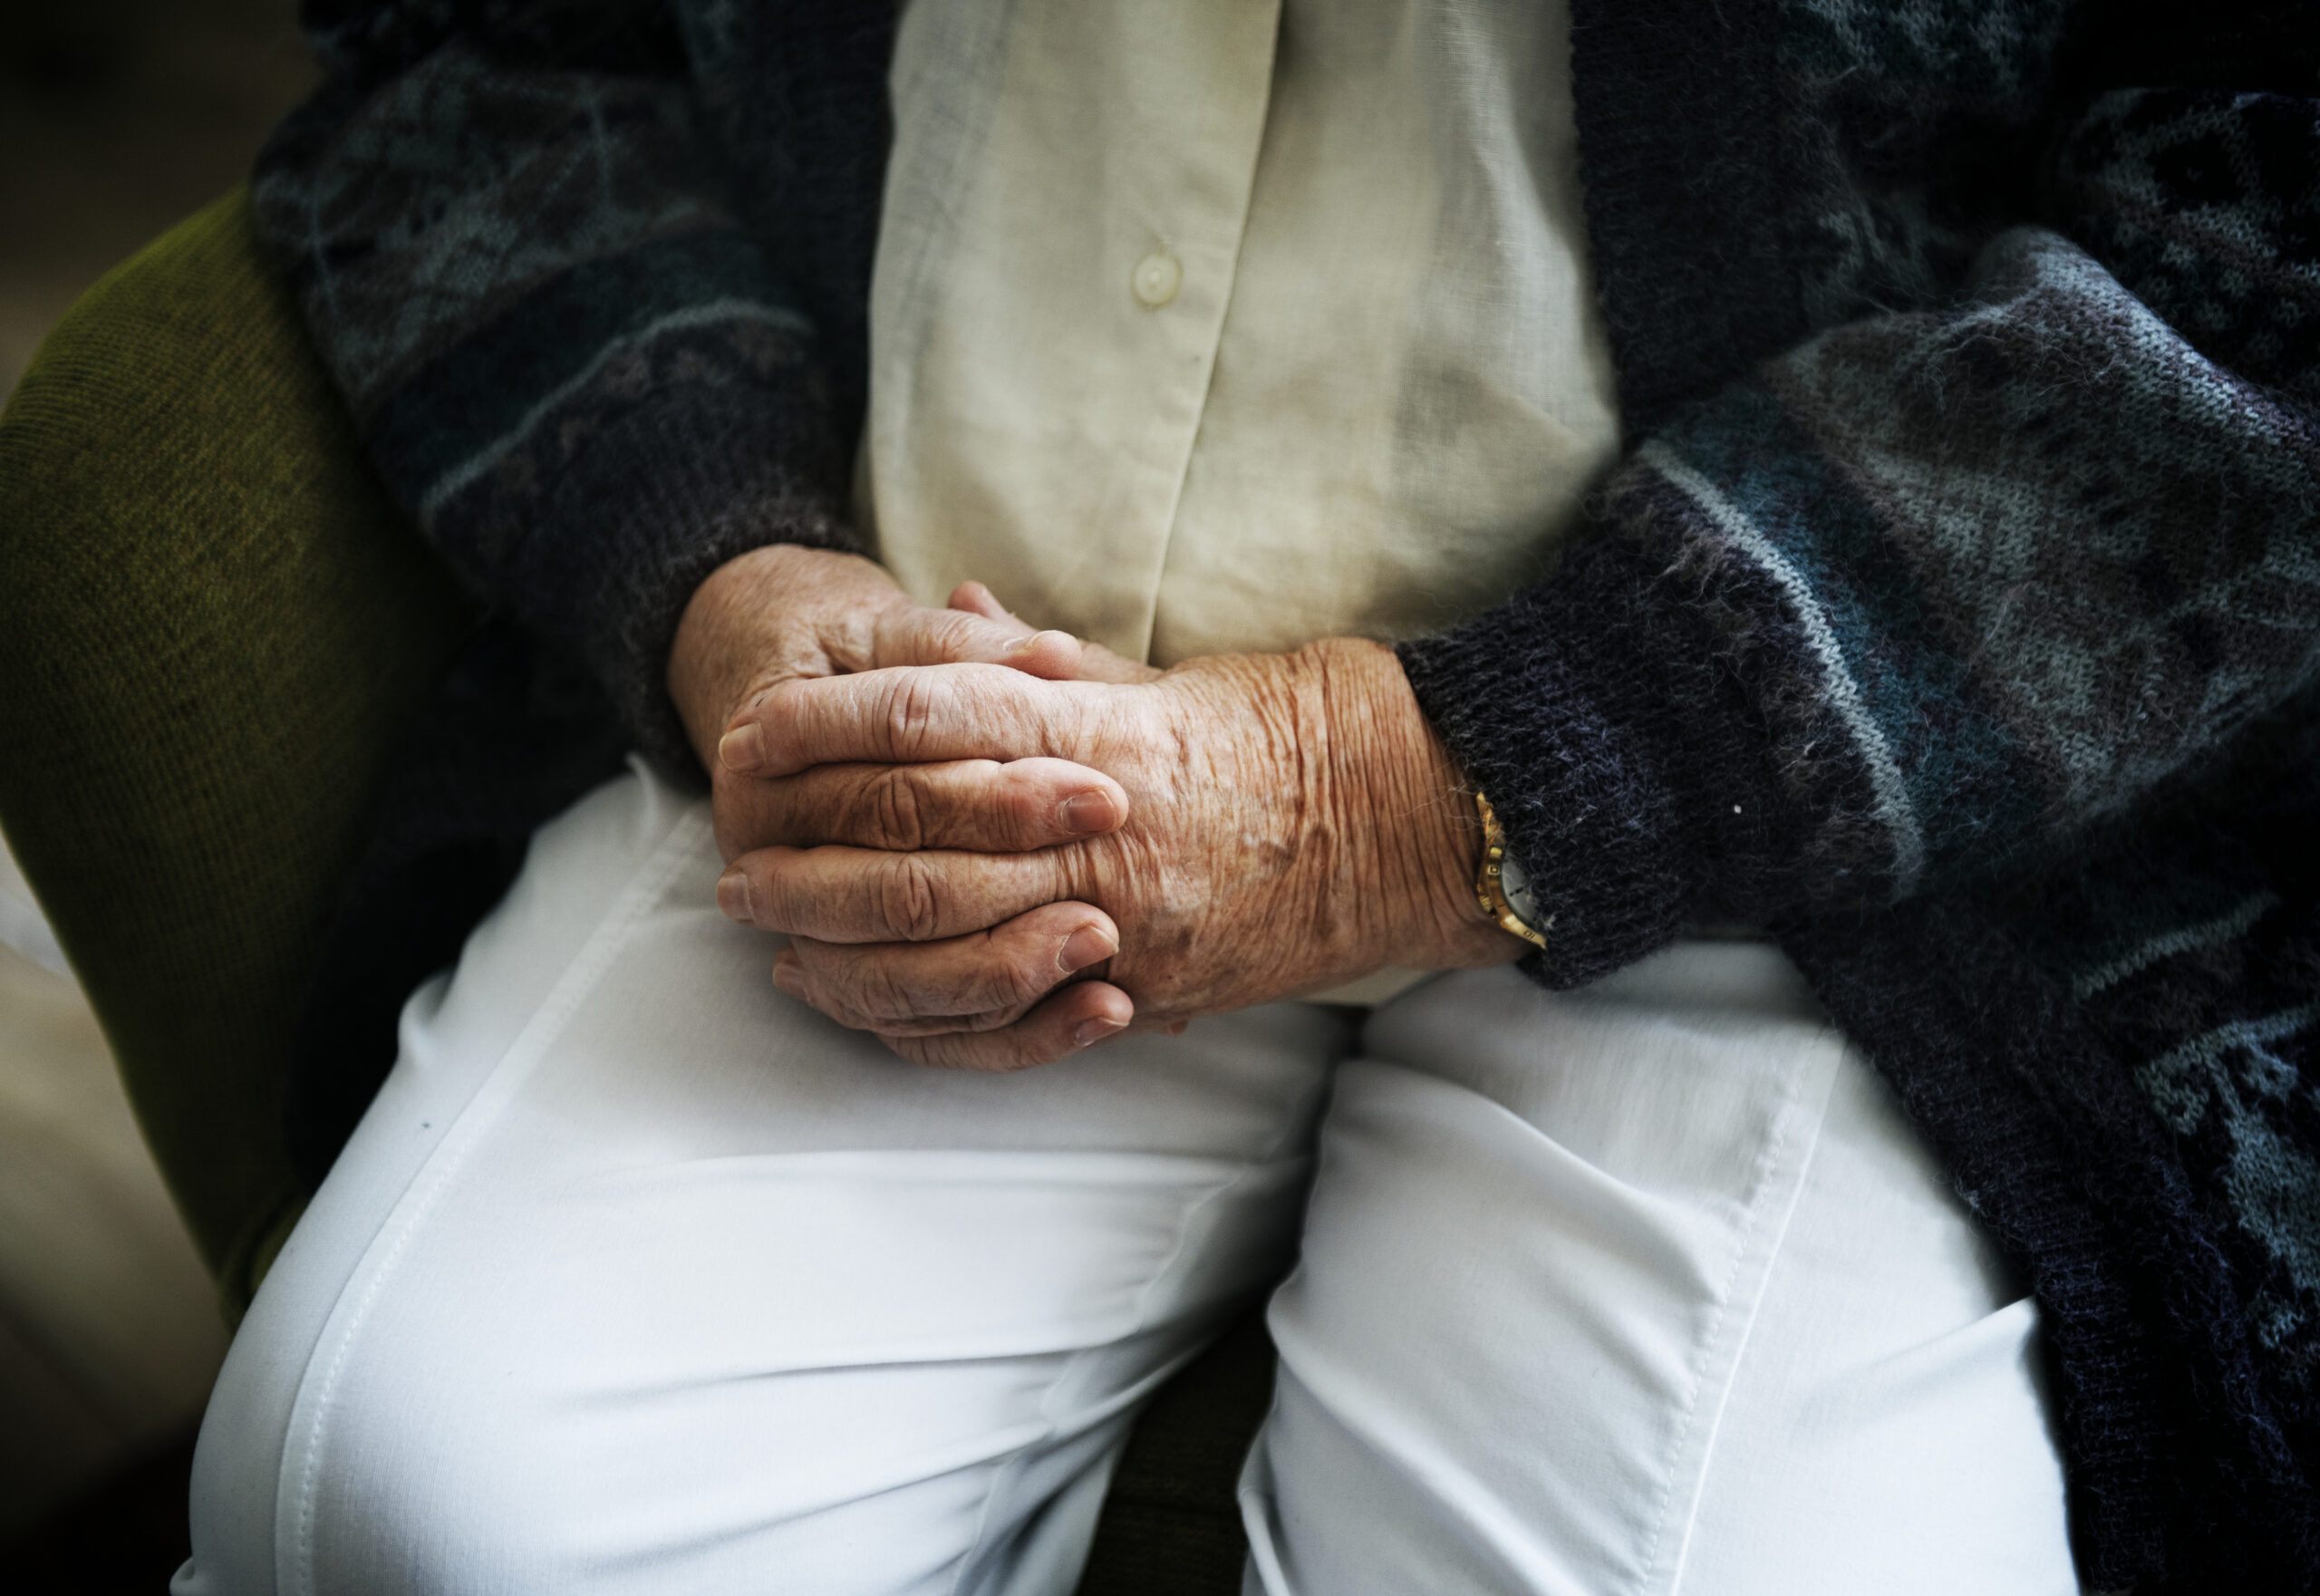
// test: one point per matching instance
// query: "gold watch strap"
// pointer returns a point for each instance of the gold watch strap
(1490, 880)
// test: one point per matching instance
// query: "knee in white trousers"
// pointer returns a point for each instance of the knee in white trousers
(639, 1276)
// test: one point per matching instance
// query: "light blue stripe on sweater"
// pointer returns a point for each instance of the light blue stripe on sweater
(464, 475)
(1893, 806)
(2167, 945)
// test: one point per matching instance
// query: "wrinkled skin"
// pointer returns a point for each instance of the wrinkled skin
(782, 613)
(989, 864)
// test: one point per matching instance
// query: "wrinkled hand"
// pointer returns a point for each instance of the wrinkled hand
(781, 612)
(957, 844)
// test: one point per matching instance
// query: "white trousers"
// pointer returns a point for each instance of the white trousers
(639, 1277)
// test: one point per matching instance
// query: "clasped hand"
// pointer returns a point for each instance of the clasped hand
(988, 868)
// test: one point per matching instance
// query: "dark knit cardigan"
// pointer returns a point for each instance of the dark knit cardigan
(1956, 611)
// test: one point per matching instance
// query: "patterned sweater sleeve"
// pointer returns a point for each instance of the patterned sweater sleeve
(1928, 596)
(572, 364)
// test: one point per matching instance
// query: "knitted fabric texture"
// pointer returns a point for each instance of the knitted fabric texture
(1936, 638)
(1955, 612)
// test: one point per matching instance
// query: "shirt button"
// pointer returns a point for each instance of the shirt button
(1157, 278)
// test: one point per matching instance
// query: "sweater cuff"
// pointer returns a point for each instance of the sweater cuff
(1617, 752)
(663, 498)
(700, 436)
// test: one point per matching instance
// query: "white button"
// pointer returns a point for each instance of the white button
(1157, 278)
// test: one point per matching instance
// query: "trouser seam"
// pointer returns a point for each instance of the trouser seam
(434, 1176)
(1762, 1189)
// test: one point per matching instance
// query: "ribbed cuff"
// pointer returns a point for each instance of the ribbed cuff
(661, 499)
(1618, 750)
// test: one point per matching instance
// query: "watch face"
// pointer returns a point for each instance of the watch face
(1515, 881)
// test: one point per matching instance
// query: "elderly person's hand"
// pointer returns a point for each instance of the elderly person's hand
(960, 843)
(785, 612)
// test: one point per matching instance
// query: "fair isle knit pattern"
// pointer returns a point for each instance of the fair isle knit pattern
(592, 363)
(1938, 639)
(591, 275)
(1955, 612)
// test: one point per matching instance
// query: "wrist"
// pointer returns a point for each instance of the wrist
(1405, 795)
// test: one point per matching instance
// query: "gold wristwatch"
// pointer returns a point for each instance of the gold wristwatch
(1503, 886)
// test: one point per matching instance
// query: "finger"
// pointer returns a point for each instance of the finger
(978, 600)
(980, 805)
(893, 717)
(921, 636)
(790, 976)
(1097, 663)
(1004, 969)
(868, 894)
(1080, 1016)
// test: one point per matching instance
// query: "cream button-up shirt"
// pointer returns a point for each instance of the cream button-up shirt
(1219, 324)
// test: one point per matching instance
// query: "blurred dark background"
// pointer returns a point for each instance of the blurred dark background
(117, 119)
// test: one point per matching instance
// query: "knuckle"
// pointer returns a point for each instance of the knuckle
(1025, 975)
(898, 809)
(1024, 811)
(781, 711)
(908, 704)
(877, 989)
(909, 903)
(960, 637)
(776, 893)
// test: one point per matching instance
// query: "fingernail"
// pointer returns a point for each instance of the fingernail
(1088, 814)
(1025, 645)
(789, 977)
(742, 749)
(733, 896)
(1092, 1032)
(1090, 944)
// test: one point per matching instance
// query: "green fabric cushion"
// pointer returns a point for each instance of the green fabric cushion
(212, 627)
(212, 624)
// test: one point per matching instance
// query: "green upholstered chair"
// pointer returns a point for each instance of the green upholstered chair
(213, 625)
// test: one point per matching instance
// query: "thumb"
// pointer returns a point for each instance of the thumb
(918, 636)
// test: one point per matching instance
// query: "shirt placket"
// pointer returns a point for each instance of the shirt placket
(1177, 215)
(1063, 225)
